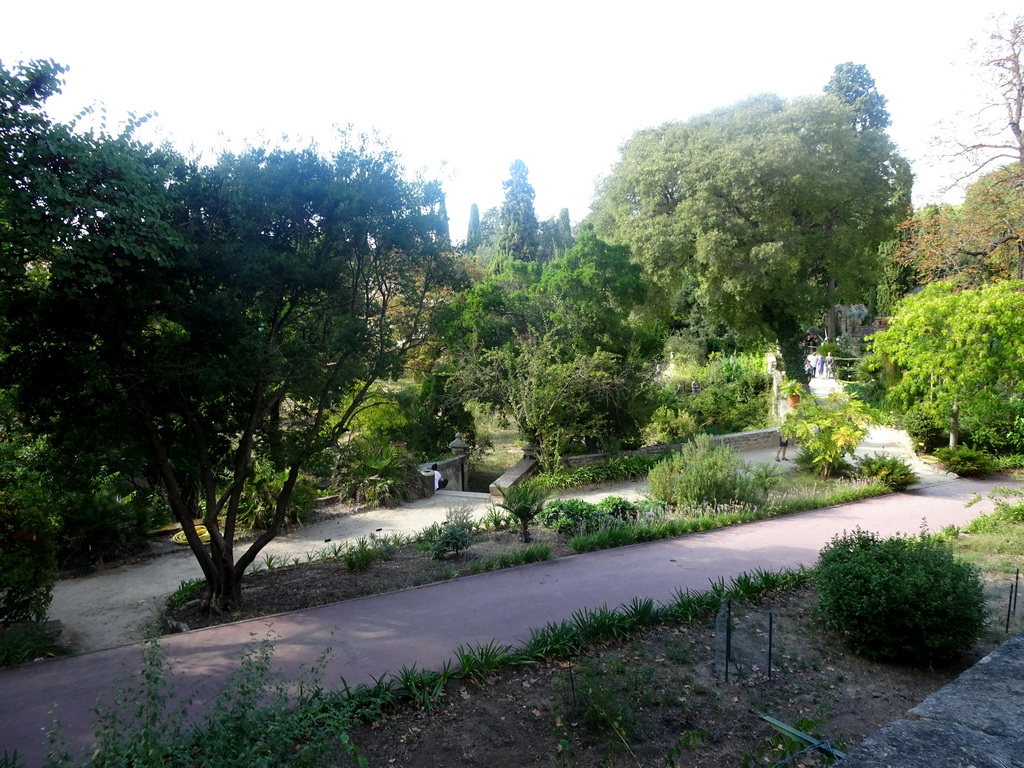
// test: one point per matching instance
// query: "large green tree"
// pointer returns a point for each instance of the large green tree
(771, 210)
(517, 237)
(956, 345)
(209, 317)
(554, 348)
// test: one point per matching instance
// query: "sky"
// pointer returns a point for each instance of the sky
(461, 89)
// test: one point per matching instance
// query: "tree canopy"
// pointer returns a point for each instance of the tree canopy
(953, 345)
(554, 347)
(207, 316)
(773, 209)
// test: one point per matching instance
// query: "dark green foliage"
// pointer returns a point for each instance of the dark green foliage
(188, 589)
(375, 472)
(258, 505)
(425, 416)
(524, 502)
(993, 423)
(895, 473)
(569, 515)
(616, 469)
(903, 599)
(474, 235)
(479, 662)
(28, 642)
(258, 720)
(966, 461)
(926, 427)
(804, 460)
(454, 539)
(897, 279)
(360, 556)
(554, 348)
(28, 560)
(517, 239)
(575, 516)
(202, 317)
(734, 395)
(854, 86)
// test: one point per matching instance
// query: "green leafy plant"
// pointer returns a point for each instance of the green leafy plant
(966, 461)
(904, 599)
(188, 589)
(828, 432)
(895, 473)
(360, 557)
(454, 539)
(790, 387)
(524, 502)
(27, 642)
(27, 560)
(479, 662)
(616, 469)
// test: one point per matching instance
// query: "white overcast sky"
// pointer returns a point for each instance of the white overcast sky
(461, 89)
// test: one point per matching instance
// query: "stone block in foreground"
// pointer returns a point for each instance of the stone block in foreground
(977, 721)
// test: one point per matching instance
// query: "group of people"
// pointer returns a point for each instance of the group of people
(821, 367)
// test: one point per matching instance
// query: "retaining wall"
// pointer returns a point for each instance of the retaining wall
(977, 721)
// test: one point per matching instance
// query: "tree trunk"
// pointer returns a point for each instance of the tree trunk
(954, 425)
(830, 321)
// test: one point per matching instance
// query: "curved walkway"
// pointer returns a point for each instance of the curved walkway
(423, 626)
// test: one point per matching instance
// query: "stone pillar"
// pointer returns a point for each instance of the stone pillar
(461, 451)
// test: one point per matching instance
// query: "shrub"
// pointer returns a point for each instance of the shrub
(892, 472)
(701, 472)
(456, 535)
(965, 461)
(568, 515)
(926, 429)
(377, 473)
(993, 423)
(27, 560)
(668, 424)
(359, 557)
(455, 539)
(616, 469)
(903, 599)
(828, 432)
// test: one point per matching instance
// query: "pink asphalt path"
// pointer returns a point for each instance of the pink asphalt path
(423, 626)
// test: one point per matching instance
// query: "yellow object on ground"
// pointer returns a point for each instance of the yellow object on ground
(204, 536)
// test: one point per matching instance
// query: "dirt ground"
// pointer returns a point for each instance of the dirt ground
(659, 699)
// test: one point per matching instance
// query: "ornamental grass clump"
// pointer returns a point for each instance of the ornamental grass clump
(899, 599)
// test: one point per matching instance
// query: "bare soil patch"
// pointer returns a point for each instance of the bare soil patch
(657, 699)
(660, 699)
(307, 585)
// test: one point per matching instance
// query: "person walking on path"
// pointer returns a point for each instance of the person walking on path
(783, 445)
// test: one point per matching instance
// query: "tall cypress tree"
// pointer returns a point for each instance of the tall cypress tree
(474, 237)
(518, 238)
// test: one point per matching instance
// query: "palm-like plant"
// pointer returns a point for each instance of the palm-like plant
(524, 502)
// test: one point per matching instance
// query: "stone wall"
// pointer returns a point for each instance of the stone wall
(976, 721)
(455, 469)
(741, 441)
(528, 466)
